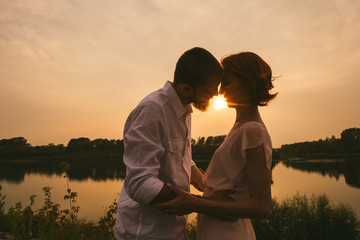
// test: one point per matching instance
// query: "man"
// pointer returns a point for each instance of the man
(157, 149)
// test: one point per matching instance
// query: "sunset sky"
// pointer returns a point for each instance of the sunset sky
(76, 68)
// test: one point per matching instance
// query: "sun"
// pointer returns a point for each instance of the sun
(219, 102)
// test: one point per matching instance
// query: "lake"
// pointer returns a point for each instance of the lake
(98, 184)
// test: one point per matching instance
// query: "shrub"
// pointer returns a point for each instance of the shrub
(302, 218)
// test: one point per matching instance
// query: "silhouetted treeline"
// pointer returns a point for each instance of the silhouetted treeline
(205, 148)
(346, 146)
(202, 148)
(19, 148)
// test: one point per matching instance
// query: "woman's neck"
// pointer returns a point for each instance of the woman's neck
(247, 114)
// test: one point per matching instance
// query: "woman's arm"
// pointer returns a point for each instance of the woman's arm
(196, 178)
(258, 205)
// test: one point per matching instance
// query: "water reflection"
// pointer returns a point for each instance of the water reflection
(99, 182)
(334, 168)
(15, 171)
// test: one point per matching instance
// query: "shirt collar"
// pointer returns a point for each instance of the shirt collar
(175, 101)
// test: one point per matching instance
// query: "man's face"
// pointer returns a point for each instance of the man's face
(201, 97)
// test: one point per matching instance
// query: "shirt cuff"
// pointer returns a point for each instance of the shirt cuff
(148, 190)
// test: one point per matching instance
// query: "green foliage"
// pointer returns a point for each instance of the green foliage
(16, 148)
(51, 222)
(347, 146)
(351, 139)
(202, 148)
(105, 227)
(295, 218)
(302, 218)
(191, 230)
(2, 211)
(205, 148)
(79, 145)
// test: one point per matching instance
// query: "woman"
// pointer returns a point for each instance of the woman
(238, 178)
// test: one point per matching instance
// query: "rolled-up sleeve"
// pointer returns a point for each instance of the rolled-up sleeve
(143, 152)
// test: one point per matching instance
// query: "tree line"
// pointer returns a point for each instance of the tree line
(348, 145)
(18, 147)
(202, 148)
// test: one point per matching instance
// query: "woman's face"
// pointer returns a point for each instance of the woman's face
(234, 91)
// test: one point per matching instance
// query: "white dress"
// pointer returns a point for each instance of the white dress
(227, 172)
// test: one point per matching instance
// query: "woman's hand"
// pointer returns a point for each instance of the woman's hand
(183, 204)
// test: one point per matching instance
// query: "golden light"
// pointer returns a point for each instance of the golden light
(219, 102)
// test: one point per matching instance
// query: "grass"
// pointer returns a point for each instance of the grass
(302, 218)
(295, 218)
(50, 222)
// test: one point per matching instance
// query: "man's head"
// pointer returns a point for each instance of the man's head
(197, 76)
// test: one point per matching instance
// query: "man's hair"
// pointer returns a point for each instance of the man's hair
(195, 66)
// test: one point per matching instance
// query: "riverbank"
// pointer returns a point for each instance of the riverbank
(298, 217)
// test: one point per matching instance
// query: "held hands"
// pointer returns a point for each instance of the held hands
(181, 205)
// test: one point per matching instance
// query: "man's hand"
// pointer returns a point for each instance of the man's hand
(164, 195)
(183, 204)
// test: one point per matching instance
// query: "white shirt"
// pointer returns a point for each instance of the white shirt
(227, 171)
(157, 141)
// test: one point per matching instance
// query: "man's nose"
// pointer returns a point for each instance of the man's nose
(215, 92)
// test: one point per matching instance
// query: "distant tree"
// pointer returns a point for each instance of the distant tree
(351, 139)
(218, 140)
(209, 141)
(119, 146)
(14, 147)
(200, 141)
(80, 145)
(205, 147)
(14, 142)
(108, 146)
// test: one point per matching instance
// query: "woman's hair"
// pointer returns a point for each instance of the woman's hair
(254, 73)
(195, 66)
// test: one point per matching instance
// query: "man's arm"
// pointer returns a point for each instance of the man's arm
(142, 155)
(164, 195)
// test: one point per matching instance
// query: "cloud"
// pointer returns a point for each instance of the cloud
(106, 55)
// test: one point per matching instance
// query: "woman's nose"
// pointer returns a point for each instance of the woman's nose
(221, 91)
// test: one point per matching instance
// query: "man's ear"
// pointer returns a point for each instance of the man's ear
(187, 89)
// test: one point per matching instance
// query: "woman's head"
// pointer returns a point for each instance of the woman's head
(254, 78)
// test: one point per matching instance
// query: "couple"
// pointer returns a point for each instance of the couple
(155, 199)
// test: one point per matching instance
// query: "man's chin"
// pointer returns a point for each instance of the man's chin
(203, 107)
